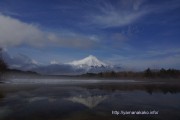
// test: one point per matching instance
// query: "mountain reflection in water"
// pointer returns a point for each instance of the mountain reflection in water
(88, 101)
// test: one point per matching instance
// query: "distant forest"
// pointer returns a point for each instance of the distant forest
(148, 73)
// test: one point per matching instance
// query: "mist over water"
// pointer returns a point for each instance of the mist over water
(87, 99)
(64, 81)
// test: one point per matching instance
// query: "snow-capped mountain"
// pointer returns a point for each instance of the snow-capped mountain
(89, 64)
(20, 61)
(90, 61)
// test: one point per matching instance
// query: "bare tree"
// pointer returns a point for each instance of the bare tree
(1, 56)
(3, 65)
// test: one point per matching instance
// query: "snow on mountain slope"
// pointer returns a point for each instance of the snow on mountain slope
(88, 64)
(90, 61)
(20, 61)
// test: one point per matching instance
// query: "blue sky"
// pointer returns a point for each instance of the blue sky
(131, 33)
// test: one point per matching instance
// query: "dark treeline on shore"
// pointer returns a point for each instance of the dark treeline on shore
(3, 65)
(148, 73)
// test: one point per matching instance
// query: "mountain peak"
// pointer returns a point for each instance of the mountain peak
(91, 56)
(90, 61)
(90, 102)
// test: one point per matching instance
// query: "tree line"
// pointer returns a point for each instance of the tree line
(148, 73)
(3, 65)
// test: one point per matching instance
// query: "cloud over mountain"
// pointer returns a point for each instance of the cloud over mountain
(20, 61)
(14, 32)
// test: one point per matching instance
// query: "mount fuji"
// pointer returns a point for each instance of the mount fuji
(89, 64)
(90, 61)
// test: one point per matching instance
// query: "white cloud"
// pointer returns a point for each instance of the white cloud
(126, 12)
(156, 63)
(14, 32)
(148, 59)
(54, 62)
(157, 52)
(119, 37)
(73, 40)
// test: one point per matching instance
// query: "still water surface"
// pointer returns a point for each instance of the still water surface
(88, 100)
